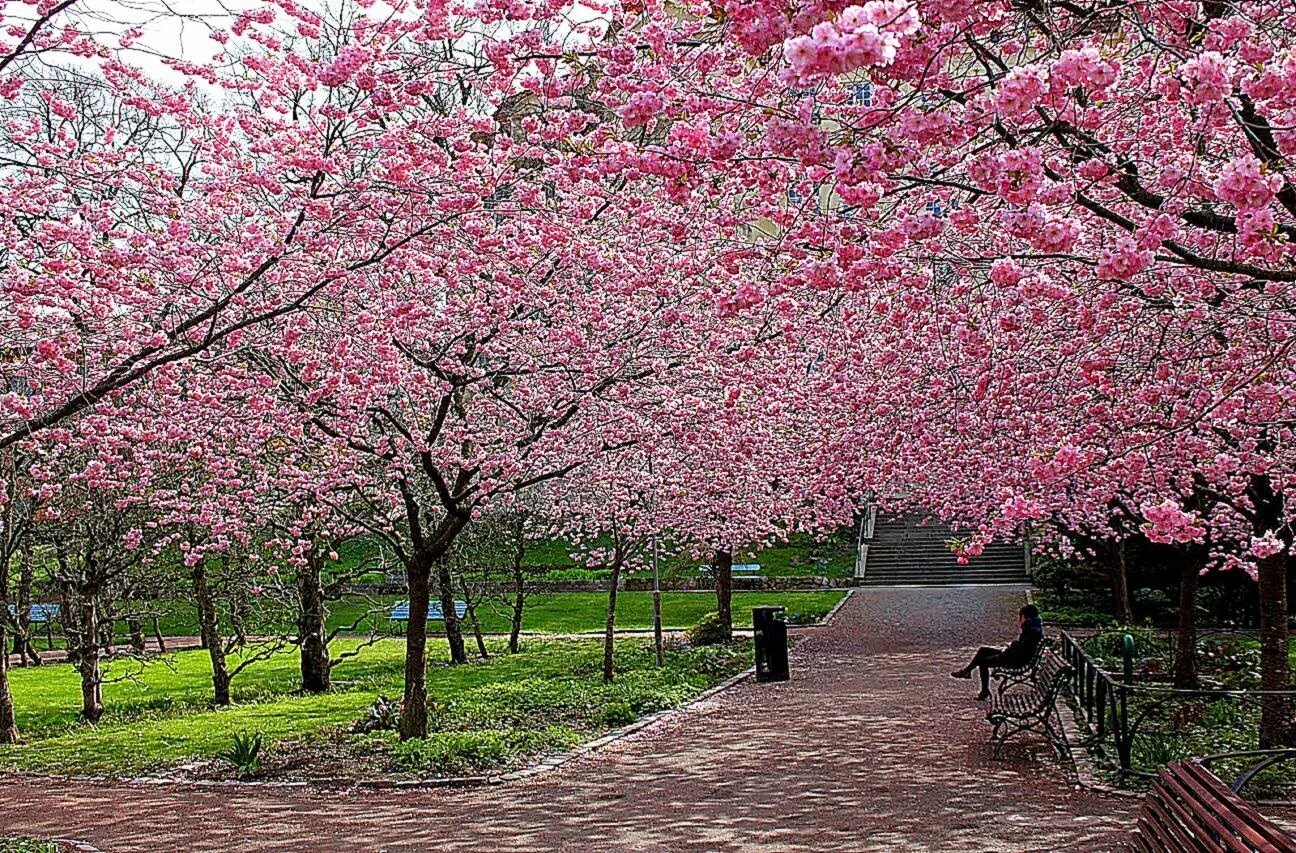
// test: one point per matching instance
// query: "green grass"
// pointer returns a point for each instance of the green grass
(27, 845)
(158, 714)
(556, 613)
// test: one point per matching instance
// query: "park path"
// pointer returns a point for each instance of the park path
(871, 746)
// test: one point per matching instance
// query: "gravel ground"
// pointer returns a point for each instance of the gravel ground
(871, 746)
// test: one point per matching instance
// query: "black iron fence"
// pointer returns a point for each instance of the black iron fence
(1121, 707)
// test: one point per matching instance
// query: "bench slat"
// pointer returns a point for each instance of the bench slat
(1207, 807)
(1257, 830)
(1189, 808)
(1183, 823)
(1170, 831)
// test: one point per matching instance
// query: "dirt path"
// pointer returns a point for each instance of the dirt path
(871, 747)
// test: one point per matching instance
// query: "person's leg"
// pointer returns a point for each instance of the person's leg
(984, 653)
(987, 661)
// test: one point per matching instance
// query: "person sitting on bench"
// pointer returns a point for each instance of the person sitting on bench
(1018, 653)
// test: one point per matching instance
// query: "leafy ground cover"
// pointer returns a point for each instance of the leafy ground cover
(486, 715)
(556, 613)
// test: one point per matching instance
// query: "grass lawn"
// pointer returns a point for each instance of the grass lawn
(558, 613)
(485, 714)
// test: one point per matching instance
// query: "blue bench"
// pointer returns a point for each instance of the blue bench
(400, 611)
(40, 614)
(746, 568)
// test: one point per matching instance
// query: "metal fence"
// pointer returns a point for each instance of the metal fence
(1118, 706)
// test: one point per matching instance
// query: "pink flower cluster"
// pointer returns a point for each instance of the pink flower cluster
(1167, 523)
(860, 37)
(1207, 78)
(1124, 260)
(1266, 546)
(1084, 67)
(1020, 91)
(1244, 183)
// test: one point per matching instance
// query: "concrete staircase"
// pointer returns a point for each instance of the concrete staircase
(905, 552)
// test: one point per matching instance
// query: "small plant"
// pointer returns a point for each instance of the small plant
(382, 716)
(618, 713)
(245, 754)
(708, 631)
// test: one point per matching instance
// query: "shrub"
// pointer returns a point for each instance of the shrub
(590, 575)
(708, 631)
(245, 754)
(382, 716)
(618, 713)
(452, 753)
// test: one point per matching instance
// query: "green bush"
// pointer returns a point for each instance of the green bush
(709, 631)
(618, 713)
(451, 753)
(590, 575)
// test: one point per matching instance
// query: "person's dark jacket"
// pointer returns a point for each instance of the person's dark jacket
(1022, 649)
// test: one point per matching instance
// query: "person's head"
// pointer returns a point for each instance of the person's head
(1027, 613)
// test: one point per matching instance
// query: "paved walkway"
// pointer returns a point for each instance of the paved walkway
(872, 746)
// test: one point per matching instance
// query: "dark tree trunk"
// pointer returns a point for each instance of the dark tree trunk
(453, 628)
(1120, 586)
(609, 625)
(1185, 664)
(70, 620)
(519, 592)
(157, 635)
(209, 631)
(88, 659)
(414, 716)
(722, 565)
(136, 628)
(23, 635)
(471, 611)
(8, 722)
(1275, 671)
(312, 635)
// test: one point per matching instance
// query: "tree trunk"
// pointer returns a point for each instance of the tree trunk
(136, 628)
(23, 635)
(209, 631)
(1275, 672)
(157, 635)
(1185, 664)
(312, 635)
(414, 717)
(1120, 587)
(70, 620)
(609, 625)
(471, 610)
(723, 567)
(519, 594)
(454, 631)
(88, 660)
(8, 722)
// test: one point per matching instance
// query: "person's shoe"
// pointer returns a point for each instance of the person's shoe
(961, 673)
(983, 695)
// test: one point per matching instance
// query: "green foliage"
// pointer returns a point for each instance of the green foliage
(245, 754)
(382, 716)
(618, 713)
(708, 631)
(576, 575)
(27, 845)
(456, 753)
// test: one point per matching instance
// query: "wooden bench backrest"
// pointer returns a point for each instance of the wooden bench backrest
(1188, 808)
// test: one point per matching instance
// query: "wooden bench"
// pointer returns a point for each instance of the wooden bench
(41, 614)
(400, 611)
(1189, 808)
(1011, 676)
(1032, 706)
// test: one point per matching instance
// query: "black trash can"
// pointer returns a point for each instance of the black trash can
(771, 644)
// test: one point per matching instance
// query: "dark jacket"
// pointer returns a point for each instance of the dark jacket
(1022, 649)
